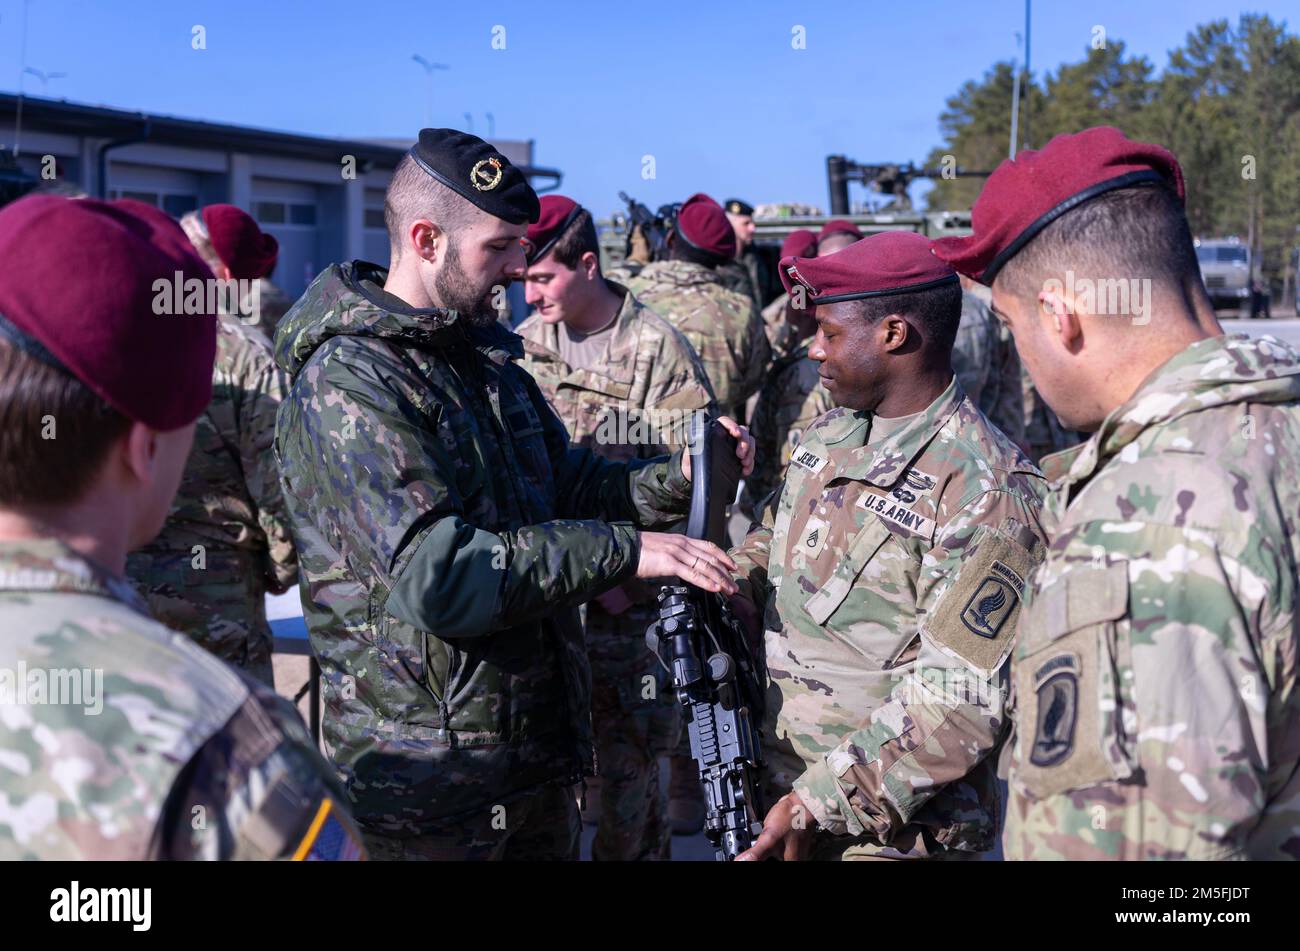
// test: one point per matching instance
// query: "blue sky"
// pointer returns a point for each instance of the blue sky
(713, 90)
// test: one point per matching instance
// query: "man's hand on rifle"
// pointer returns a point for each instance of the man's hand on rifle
(744, 447)
(697, 562)
(787, 833)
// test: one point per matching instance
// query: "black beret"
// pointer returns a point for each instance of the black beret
(737, 207)
(478, 173)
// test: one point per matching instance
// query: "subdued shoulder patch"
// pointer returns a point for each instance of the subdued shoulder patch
(329, 838)
(976, 617)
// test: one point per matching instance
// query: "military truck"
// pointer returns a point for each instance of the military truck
(1232, 276)
(774, 223)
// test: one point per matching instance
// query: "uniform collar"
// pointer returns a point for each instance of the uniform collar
(1211, 372)
(619, 366)
(685, 273)
(48, 565)
(881, 465)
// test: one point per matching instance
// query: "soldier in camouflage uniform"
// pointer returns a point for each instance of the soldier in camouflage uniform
(447, 531)
(226, 542)
(889, 568)
(121, 739)
(725, 328)
(787, 405)
(785, 333)
(791, 397)
(608, 365)
(985, 361)
(747, 272)
(1157, 714)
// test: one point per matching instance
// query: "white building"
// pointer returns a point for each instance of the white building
(323, 199)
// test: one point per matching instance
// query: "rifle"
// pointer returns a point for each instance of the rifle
(718, 679)
(654, 226)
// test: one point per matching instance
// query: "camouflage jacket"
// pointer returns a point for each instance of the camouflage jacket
(650, 374)
(788, 403)
(1157, 707)
(636, 405)
(725, 328)
(120, 739)
(780, 335)
(747, 276)
(446, 532)
(226, 541)
(891, 575)
(985, 361)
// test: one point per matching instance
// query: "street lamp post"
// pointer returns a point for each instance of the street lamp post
(428, 97)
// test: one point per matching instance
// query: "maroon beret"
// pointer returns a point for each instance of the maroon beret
(799, 244)
(556, 215)
(838, 226)
(704, 226)
(80, 289)
(891, 262)
(243, 247)
(1026, 194)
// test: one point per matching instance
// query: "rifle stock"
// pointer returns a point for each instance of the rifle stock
(717, 678)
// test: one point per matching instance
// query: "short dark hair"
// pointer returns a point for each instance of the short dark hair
(1139, 231)
(414, 194)
(55, 432)
(577, 240)
(936, 311)
(683, 250)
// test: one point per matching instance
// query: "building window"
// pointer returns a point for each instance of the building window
(149, 198)
(285, 213)
(177, 205)
(269, 212)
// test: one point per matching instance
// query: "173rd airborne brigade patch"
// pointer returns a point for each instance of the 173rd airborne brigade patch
(975, 618)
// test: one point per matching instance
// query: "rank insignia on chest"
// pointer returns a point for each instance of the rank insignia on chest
(808, 460)
(814, 537)
(989, 607)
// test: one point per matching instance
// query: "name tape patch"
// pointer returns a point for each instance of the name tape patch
(808, 460)
(892, 510)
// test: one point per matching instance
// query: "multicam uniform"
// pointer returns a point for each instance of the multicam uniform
(630, 404)
(447, 533)
(891, 568)
(1157, 709)
(725, 328)
(140, 745)
(226, 541)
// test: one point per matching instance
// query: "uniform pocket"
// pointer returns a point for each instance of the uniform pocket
(1073, 646)
(827, 599)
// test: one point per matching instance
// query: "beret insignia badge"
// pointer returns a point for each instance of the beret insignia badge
(485, 179)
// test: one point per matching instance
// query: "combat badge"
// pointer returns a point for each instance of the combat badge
(1056, 683)
(485, 181)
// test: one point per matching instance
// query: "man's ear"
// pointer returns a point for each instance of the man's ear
(590, 264)
(139, 452)
(893, 331)
(427, 239)
(1061, 317)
